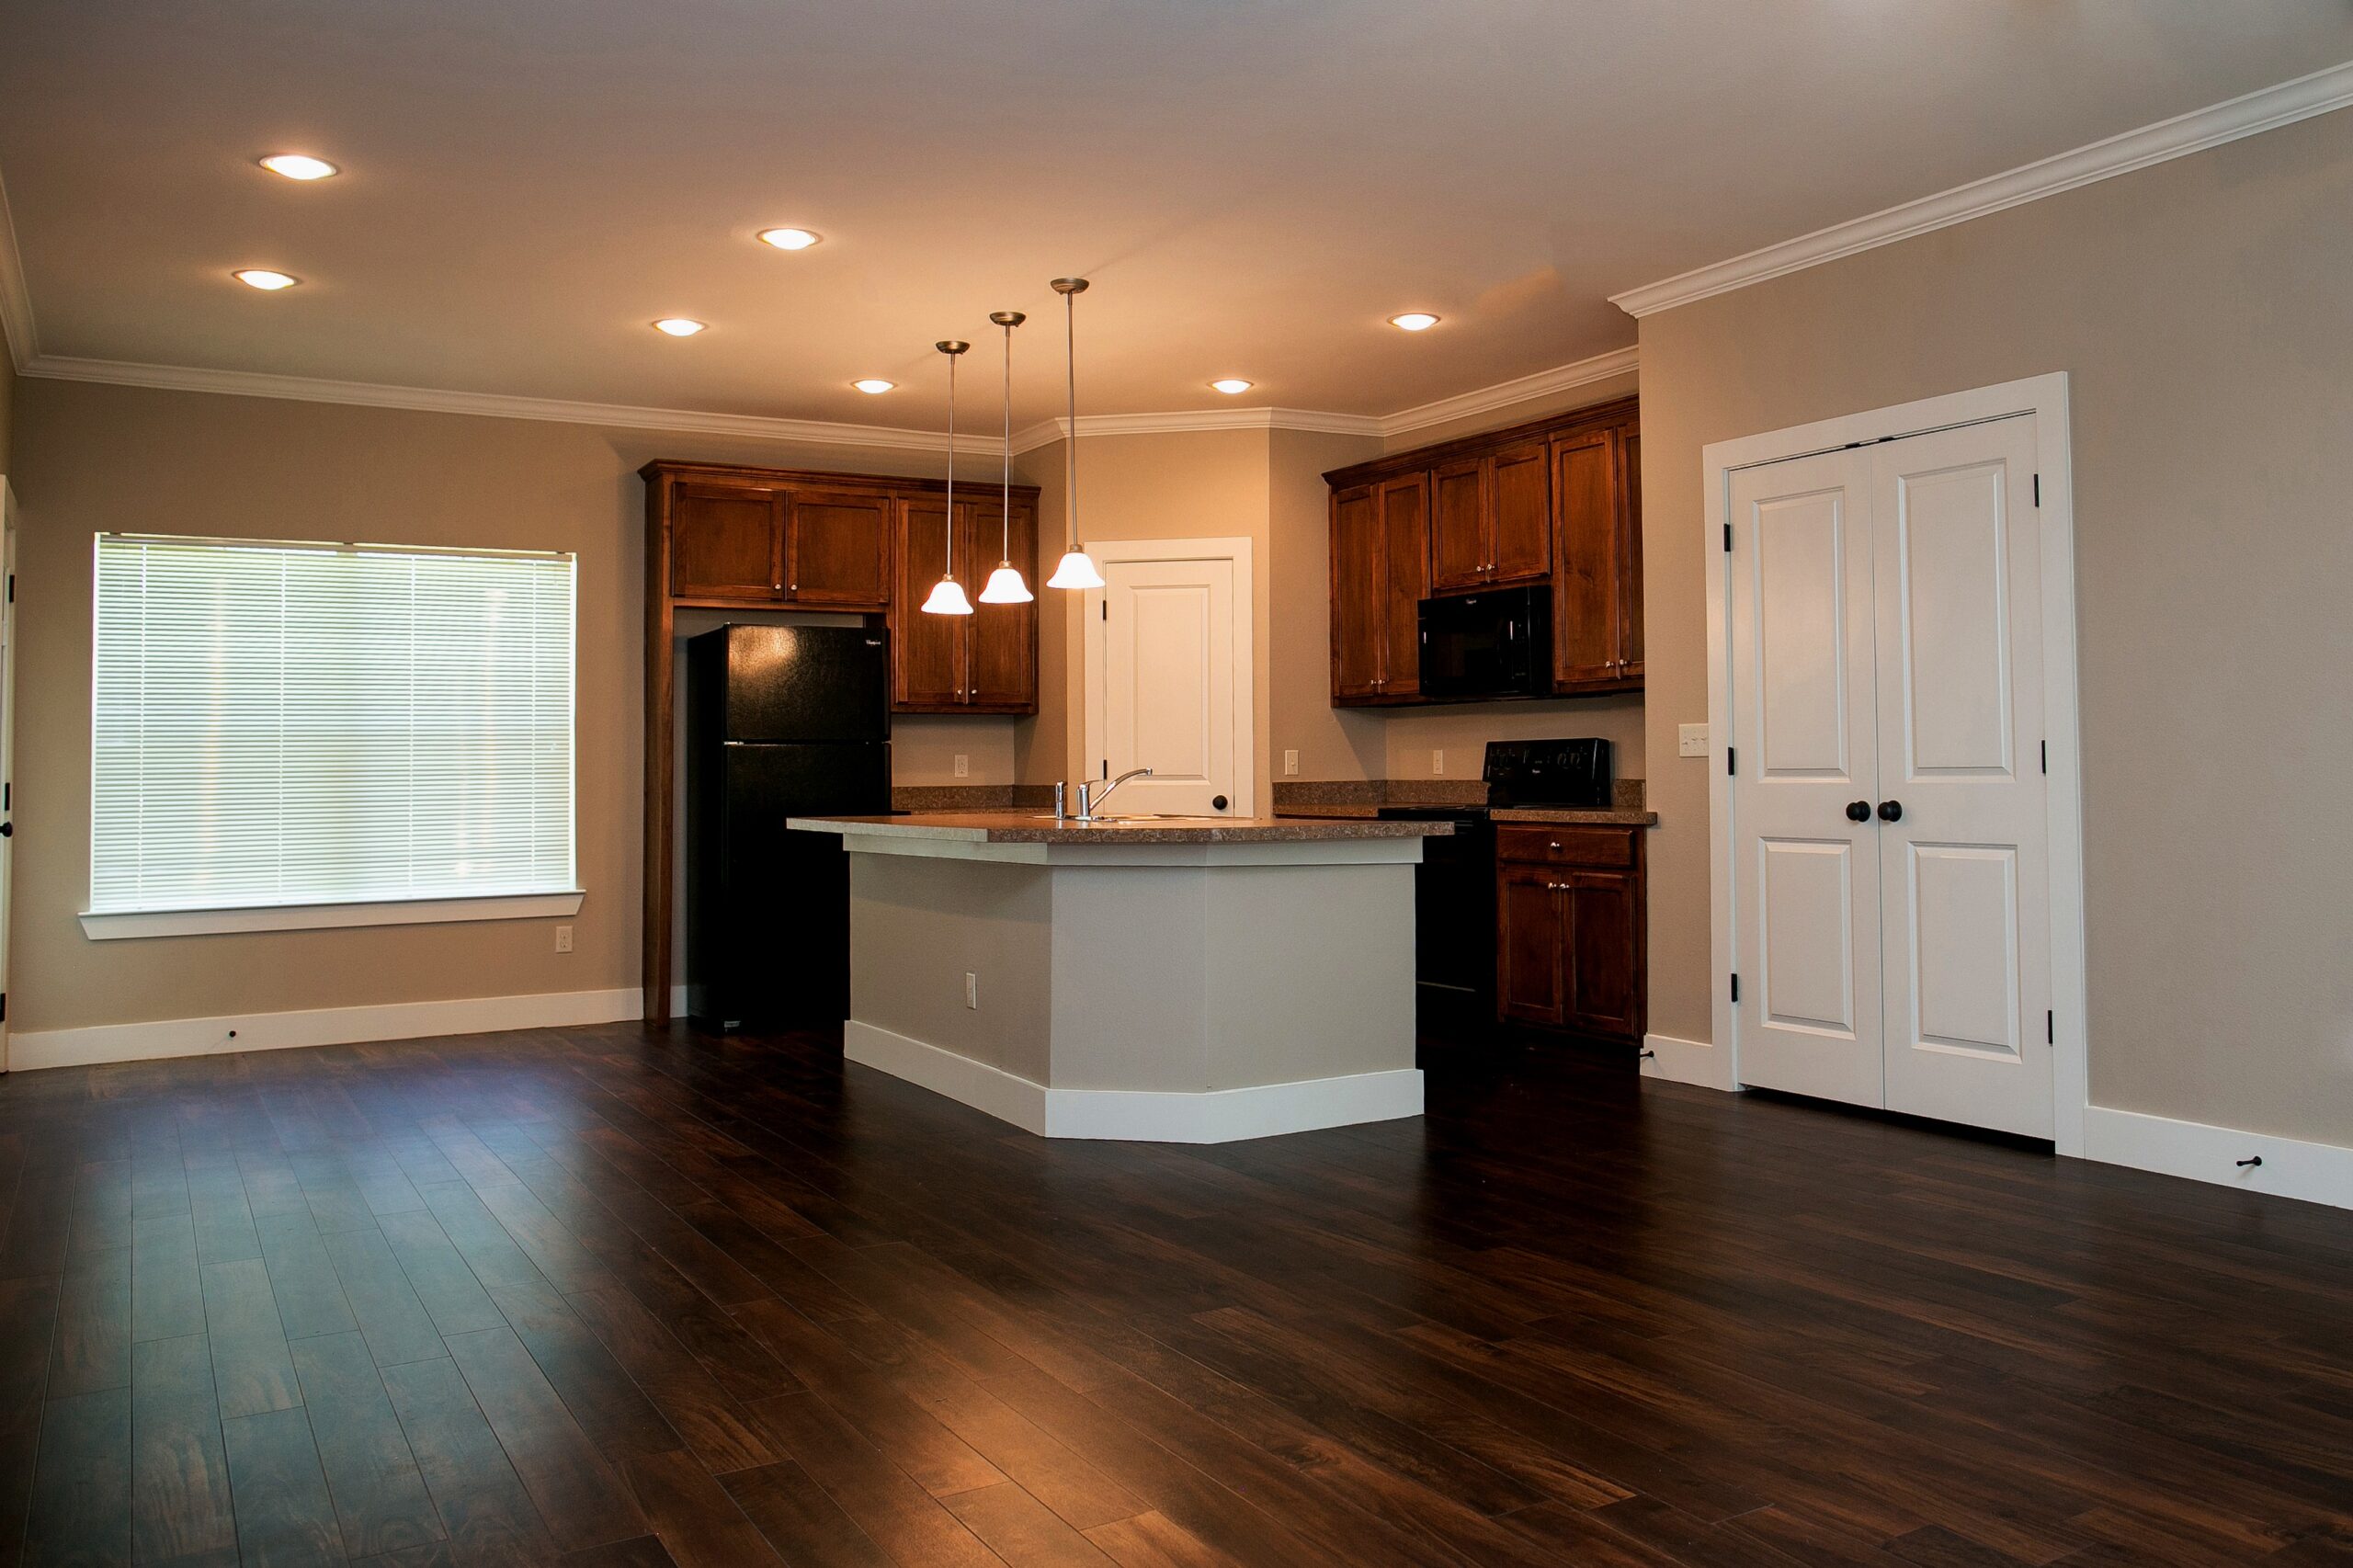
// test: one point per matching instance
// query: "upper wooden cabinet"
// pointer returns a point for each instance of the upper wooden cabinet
(981, 662)
(751, 537)
(726, 543)
(837, 549)
(1556, 502)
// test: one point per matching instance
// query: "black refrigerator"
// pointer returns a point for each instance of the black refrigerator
(781, 721)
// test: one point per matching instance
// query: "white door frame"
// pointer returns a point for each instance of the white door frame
(1245, 675)
(2044, 397)
(7, 734)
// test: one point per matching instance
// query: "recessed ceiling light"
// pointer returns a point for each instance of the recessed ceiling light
(262, 277)
(789, 239)
(1230, 385)
(874, 385)
(298, 166)
(1414, 320)
(678, 326)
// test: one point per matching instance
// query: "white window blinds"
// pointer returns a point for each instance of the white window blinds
(303, 725)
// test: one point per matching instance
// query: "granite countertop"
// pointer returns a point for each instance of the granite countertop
(1030, 827)
(1570, 818)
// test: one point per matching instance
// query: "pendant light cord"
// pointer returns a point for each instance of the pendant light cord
(1070, 344)
(951, 465)
(1004, 550)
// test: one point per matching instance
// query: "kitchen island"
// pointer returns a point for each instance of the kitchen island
(1165, 979)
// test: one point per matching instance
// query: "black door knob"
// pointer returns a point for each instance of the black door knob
(1217, 803)
(1891, 811)
(8, 830)
(1858, 811)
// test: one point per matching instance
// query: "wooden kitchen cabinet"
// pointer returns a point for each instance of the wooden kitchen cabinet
(1571, 944)
(726, 543)
(1379, 573)
(741, 538)
(1556, 502)
(981, 662)
(837, 549)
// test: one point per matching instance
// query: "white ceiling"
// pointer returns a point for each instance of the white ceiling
(1253, 184)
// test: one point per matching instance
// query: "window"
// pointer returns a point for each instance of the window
(282, 726)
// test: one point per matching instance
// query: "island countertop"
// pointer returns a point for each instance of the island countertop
(1036, 827)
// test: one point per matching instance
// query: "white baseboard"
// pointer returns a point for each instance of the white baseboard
(2317, 1173)
(1687, 1062)
(318, 1026)
(1217, 1115)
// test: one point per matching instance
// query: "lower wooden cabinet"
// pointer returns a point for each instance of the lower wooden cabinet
(1570, 933)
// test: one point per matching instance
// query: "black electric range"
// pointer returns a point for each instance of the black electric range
(1454, 887)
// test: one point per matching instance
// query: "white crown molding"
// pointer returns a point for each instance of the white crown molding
(16, 300)
(493, 406)
(2266, 110)
(1503, 394)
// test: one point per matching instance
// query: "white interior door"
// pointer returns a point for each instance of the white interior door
(1807, 875)
(1169, 684)
(1892, 905)
(1964, 877)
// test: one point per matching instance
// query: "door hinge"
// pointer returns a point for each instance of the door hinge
(1727, 538)
(2046, 756)
(2037, 489)
(1735, 990)
(1731, 761)
(2050, 1029)
(1106, 608)
(1107, 767)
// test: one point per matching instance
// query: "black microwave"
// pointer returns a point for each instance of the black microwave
(1487, 645)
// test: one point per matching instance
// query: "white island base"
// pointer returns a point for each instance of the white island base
(1112, 984)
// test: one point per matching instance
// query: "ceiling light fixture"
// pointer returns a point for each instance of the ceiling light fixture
(263, 279)
(947, 594)
(298, 166)
(874, 386)
(678, 326)
(1232, 385)
(1005, 586)
(1414, 320)
(1076, 569)
(789, 239)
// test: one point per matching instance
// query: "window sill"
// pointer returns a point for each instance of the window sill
(115, 926)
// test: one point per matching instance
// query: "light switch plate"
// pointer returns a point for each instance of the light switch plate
(963, 765)
(1290, 765)
(972, 989)
(563, 939)
(1438, 763)
(1691, 740)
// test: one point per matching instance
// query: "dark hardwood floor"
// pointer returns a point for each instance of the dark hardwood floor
(613, 1298)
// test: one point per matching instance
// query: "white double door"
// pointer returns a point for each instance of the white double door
(1892, 905)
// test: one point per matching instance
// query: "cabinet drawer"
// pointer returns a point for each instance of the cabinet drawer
(1613, 847)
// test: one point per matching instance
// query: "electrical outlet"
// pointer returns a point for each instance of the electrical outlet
(563, 939)
(963, 765)
(972, 989)
(1290, 765)
(1437, 764)
(1691, 740)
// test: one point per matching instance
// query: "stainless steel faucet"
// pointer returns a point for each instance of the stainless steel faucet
(1089, 802)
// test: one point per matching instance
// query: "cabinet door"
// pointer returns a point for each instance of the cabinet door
(1406, 563)
(1586, 527)
(1359, 589)
(1629, 551)
(1004, 657)
(927, 652)
(725, 543)
(1519, 515)
(1601, 915)
(837, 550)
(1528, 948)
(1461, 548)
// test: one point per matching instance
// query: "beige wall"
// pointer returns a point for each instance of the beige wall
(2202, 310)
(8, 401)
(90, 458)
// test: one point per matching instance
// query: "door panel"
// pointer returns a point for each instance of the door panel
(1528, 948)
(1519, 513)
(1965, 879)
(1458, 539)
(1603, 996)
(1405, 561)
(1004, 654)
(1168, 691)
(1584, 563)
(1806, 917)
(927, 650)
(1629, 553)
(839, 550)
(725, 543)
(1358, 594)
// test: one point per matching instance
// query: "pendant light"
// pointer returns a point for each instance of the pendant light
(947, 594)
(1076, 569)
(1005, 586)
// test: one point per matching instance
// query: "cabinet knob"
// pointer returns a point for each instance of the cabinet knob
(1556, 843)
(1858, 811)
(1891, 811)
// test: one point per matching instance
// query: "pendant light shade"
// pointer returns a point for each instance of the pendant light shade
(1005, 586)
(947, 594)
(1076, 569)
